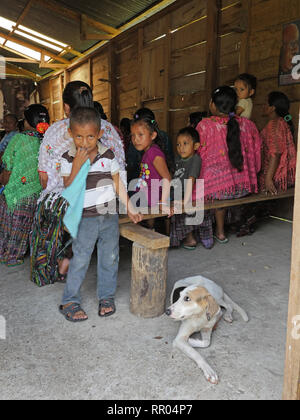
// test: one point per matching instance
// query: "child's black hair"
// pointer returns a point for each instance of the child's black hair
(125, 125)
(83, 116)
(78, 94)
(281, 104)
(146, 116)
(190, 132)
(225, 100)
(249, 80)
(35, 114)
(196, 117)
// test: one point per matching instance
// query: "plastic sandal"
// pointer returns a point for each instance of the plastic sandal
(107, 303)
(70, 310)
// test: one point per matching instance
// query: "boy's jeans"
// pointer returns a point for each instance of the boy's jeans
(105, 230)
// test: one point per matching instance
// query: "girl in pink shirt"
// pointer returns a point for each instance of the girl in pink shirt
(145, 138)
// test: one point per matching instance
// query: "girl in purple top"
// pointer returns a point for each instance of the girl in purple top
(145, 138)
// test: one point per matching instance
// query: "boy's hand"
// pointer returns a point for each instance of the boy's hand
(135, 217)
(81, 157)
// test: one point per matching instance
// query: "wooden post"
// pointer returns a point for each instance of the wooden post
(148, 281)
(166, 117)
(244, 51)
(292, 363)
(212, 47)
(140, 53)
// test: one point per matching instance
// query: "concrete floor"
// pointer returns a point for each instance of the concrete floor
(124, 357)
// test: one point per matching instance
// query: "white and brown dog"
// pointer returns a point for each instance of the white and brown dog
(199, 309)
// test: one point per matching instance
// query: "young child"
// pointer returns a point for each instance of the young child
(145, 138)
(279, 151)
(187, 167)
(245, 86)
(85, 130)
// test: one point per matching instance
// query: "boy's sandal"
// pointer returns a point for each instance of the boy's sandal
(107, 303)
(69, 312)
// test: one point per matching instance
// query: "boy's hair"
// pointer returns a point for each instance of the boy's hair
(190, 132)
(83, 116)
(196, 117)
(248, 79)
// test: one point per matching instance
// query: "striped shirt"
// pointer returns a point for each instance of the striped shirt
(100, 192)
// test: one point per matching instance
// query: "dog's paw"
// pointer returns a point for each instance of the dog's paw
(210, 375)
(228, 318)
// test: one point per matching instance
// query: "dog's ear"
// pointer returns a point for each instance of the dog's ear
(212, 307)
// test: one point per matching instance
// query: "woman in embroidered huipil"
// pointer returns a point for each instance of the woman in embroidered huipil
(279, 151)
(230, 149)
(22, 186)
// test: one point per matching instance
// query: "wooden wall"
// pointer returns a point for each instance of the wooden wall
(172, 61)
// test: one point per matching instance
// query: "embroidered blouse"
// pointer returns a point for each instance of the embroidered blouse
(21, 159)
(278, 140)
(220, 177)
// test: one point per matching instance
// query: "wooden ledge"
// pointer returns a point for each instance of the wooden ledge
(143, 236)
(218, 204)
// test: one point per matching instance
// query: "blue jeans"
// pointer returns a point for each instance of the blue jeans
(104, 230)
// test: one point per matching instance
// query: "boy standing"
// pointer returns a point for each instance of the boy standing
(103, 180)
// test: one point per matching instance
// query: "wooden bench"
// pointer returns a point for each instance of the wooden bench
(149, 268)
(218, 204)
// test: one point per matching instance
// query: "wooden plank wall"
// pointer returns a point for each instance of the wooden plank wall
(163, 63)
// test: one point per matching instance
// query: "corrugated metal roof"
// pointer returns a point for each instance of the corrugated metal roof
(62, 27)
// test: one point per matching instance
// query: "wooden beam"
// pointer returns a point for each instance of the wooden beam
(33, 47)
(20, 60)
(21, 17)
(85, 35)
(212, 47)
(12, 70)
(71, 14)
(291, 390)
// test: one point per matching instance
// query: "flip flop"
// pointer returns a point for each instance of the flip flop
(188, 248)
(221, 241)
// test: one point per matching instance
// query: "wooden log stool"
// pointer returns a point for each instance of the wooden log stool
(149, 270)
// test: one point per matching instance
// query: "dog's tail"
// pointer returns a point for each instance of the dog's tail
(236, 307)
